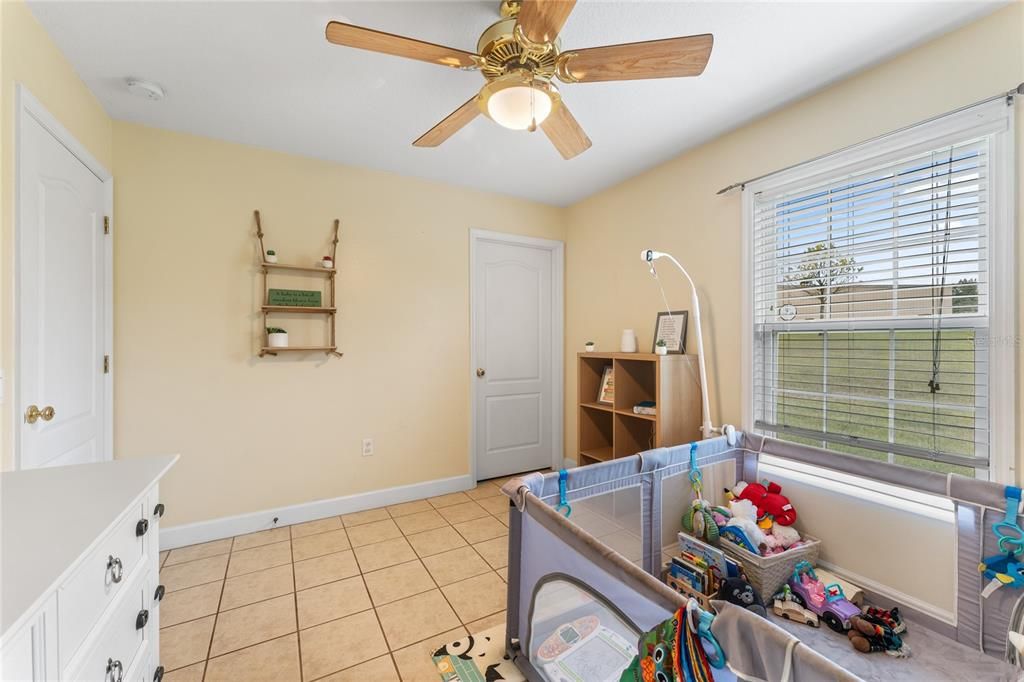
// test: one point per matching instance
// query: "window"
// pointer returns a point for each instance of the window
(879, 277)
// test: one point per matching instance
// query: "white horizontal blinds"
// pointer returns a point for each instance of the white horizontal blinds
(871, 309)
(903, 240)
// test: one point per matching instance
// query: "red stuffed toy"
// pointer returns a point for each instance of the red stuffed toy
(769, 501)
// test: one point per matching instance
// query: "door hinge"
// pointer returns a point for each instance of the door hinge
(106, 364)
(106, 224)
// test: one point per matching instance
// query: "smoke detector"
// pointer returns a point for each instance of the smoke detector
(145, 89)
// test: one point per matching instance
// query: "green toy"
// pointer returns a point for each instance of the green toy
(698, 521)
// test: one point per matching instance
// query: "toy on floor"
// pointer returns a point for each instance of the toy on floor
(738, 591)
(768, 499)
(698, 521)
(785, 606)
(890, 618)
(868, 637)
(562, 639)
(852, 592)
(1006, 569)
(827, 601)
(600, 656)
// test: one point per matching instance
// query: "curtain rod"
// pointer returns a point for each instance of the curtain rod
(1008, 95)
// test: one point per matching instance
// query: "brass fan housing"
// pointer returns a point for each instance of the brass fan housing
(502, 53)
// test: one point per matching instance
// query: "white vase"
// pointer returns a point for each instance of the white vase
(277, 340)
(661, 350)
(589, 347)
(271, 257)
(628, 344)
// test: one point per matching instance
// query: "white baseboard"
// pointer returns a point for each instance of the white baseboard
(229, 526)
(891, 594)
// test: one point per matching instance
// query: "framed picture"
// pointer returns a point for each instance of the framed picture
(671, 328)
(607, 392)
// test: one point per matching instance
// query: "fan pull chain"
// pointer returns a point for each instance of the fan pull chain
(533, 114)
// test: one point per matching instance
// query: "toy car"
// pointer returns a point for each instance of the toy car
(828, 601)
(791, 610)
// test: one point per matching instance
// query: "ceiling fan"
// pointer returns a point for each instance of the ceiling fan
(520, 55)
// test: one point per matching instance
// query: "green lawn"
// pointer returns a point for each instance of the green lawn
(856, 371)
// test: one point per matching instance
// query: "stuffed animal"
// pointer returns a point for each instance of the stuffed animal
(768, 499)
(738, 591)
(744, 517)
(787, 536)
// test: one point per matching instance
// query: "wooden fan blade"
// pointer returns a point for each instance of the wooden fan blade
(541, 20)
(378, 41)
(451, 124)
(565, 132)
(669, 58)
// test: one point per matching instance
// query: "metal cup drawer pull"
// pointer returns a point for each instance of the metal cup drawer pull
(141, 619)
(115, 671)
(158, 510)
(115, 568)
(141, 527)
(158, 674)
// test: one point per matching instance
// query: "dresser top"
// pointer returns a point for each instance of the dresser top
(50, 517)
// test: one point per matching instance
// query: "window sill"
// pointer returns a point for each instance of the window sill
(894, 497)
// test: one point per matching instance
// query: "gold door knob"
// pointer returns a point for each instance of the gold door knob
(33, 413)
(480, 371)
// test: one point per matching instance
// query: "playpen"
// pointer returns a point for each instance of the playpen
(573, 594)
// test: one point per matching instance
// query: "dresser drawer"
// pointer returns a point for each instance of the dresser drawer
(119, 643)
(84, 597)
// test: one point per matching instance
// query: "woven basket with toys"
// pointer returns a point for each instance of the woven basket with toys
(758, 532)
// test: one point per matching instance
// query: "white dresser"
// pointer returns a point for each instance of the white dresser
(79, 569)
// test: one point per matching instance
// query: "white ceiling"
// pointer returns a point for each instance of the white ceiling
(262, 74)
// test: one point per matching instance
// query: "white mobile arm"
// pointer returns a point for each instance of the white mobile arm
(707, 430)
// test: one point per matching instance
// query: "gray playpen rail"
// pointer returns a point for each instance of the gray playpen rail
(981, 623)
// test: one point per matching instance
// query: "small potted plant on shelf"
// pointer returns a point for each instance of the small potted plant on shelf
(589, 346)
(271, 256)
(661, 348)
(327, 262)
(277, 337)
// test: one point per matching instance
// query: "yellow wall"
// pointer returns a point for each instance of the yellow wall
(260, 433)
(29, 57)
(674, 208)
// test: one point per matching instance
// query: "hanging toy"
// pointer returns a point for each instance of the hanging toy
(698, 520)
(1006, 568)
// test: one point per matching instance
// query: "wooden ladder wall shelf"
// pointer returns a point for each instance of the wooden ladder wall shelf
(330, 311)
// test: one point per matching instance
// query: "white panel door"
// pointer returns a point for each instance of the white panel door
(513, 334)
(60, 299)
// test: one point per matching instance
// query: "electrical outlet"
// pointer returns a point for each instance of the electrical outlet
(367, 447)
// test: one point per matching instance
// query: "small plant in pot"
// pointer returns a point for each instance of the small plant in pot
(589, 346)
(271, 256)
(277, 337)
(660, 347)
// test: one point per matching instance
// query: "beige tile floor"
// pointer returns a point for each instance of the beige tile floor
(364, 596)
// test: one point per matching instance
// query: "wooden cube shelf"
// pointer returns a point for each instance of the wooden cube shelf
(609, 431)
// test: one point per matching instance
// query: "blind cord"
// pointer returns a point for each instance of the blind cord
(933, 384)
